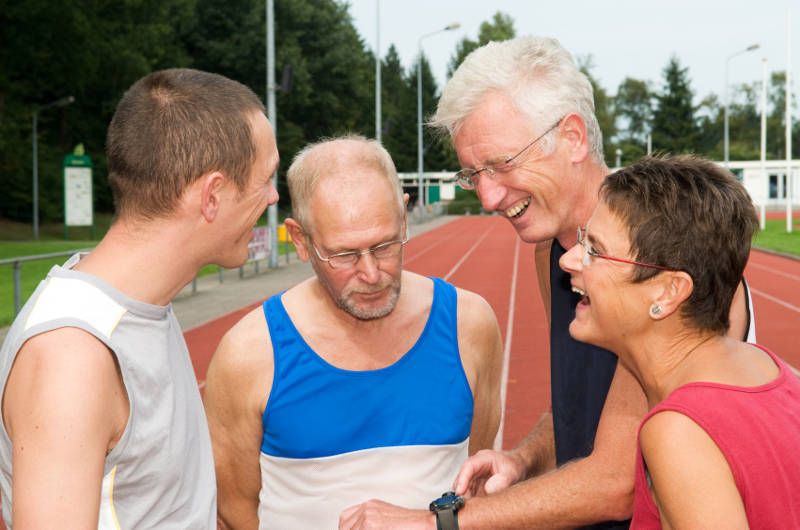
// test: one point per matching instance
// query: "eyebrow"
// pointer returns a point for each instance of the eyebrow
(396, 237)
(596, 243)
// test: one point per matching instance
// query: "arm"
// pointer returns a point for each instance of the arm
(596, 488)
(492, 471)
(482, 355)
(693, 486)
(65, 407)
(237, 387)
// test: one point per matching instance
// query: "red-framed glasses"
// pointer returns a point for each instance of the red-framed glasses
(589, 252)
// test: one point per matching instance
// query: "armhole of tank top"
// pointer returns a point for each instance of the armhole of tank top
(113, 456)
(270, 306)
(452, 297)
(716, 438)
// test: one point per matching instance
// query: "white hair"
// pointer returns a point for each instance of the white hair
(538, 75)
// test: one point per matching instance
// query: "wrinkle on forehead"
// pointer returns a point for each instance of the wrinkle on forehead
(348, 205)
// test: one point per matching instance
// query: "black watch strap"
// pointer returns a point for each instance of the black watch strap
(446, 520)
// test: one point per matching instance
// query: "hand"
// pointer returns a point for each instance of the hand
(375, 514)
(488, 472)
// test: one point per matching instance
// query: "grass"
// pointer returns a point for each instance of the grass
(775, 237)
(13, 244)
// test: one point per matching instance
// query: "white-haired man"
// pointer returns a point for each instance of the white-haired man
(363, 380)
(521, 117)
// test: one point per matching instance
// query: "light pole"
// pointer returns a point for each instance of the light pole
(58, 103)
(421, 189)
(378, 125)
(726, 140)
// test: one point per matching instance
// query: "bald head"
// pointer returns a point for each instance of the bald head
(342, 164)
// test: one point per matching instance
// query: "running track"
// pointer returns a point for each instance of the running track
(484, 255)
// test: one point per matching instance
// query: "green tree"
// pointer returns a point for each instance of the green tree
(633, 109)
(499, 28)
(399, 112)
(710, 114)
(603, 108)
(674, 127)
(92, 51)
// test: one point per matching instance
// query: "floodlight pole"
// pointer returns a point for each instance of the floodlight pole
(726, 140)
(420, 155)
(63, 102)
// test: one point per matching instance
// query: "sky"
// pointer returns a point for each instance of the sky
(625, 38)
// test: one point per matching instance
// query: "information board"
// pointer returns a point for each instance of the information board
(78, 205)
(259, 246)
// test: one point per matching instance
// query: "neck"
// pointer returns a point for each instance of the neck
(147, 261)
(663, 360)
(587, 177)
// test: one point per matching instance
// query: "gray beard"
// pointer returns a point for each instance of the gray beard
(352, 309)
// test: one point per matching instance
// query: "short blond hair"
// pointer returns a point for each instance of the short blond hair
(329, 156)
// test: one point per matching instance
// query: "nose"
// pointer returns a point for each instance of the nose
(490, 193)
(367, 267)
(272, 194)
(572, 260)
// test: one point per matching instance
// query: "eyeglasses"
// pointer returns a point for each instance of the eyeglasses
(468, 178)
(589, 252)
(349, 258)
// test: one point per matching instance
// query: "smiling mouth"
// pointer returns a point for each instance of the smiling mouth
(584, 299)
(518, 209)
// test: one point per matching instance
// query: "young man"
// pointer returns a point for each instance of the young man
(363, 380)
(102, 422)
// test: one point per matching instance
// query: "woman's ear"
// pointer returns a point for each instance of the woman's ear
(675, 288)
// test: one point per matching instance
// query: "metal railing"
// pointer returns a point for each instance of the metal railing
(16, 264)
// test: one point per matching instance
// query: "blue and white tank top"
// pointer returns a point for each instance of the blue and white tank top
(334, 438)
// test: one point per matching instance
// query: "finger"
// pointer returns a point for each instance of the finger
(347, 516)
(497, 483)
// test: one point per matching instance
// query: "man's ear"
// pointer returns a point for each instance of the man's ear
(573, 130)
(675, 288)
(210, 188)
(298, 238)
(406, 198)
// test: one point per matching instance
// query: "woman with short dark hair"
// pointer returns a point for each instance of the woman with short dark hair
(657, 266)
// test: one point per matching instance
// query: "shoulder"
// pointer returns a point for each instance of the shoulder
(243, 359)
(51, 375)
(672, 441)
(474, 310)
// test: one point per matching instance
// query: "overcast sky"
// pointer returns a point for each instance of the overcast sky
(626, 38)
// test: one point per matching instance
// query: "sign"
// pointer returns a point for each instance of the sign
(259, 246)
(78, 200)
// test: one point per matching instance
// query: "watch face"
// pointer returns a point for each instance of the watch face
(448, 501)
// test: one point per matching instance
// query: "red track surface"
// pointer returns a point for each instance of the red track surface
(477, 253)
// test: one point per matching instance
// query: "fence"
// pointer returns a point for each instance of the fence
(17, 262)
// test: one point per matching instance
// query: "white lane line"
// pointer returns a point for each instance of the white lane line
(773, 271)
(420, 253)
(466, 255)
(776, 300)
(498, 440)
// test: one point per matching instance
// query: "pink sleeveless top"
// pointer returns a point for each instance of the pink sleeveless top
(758, 431)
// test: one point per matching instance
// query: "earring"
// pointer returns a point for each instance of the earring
(655, 309)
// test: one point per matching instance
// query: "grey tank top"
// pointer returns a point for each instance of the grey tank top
(161, 473)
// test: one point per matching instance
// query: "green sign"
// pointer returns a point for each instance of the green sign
(78, 199)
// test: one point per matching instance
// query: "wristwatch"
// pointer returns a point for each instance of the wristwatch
(446, 508)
